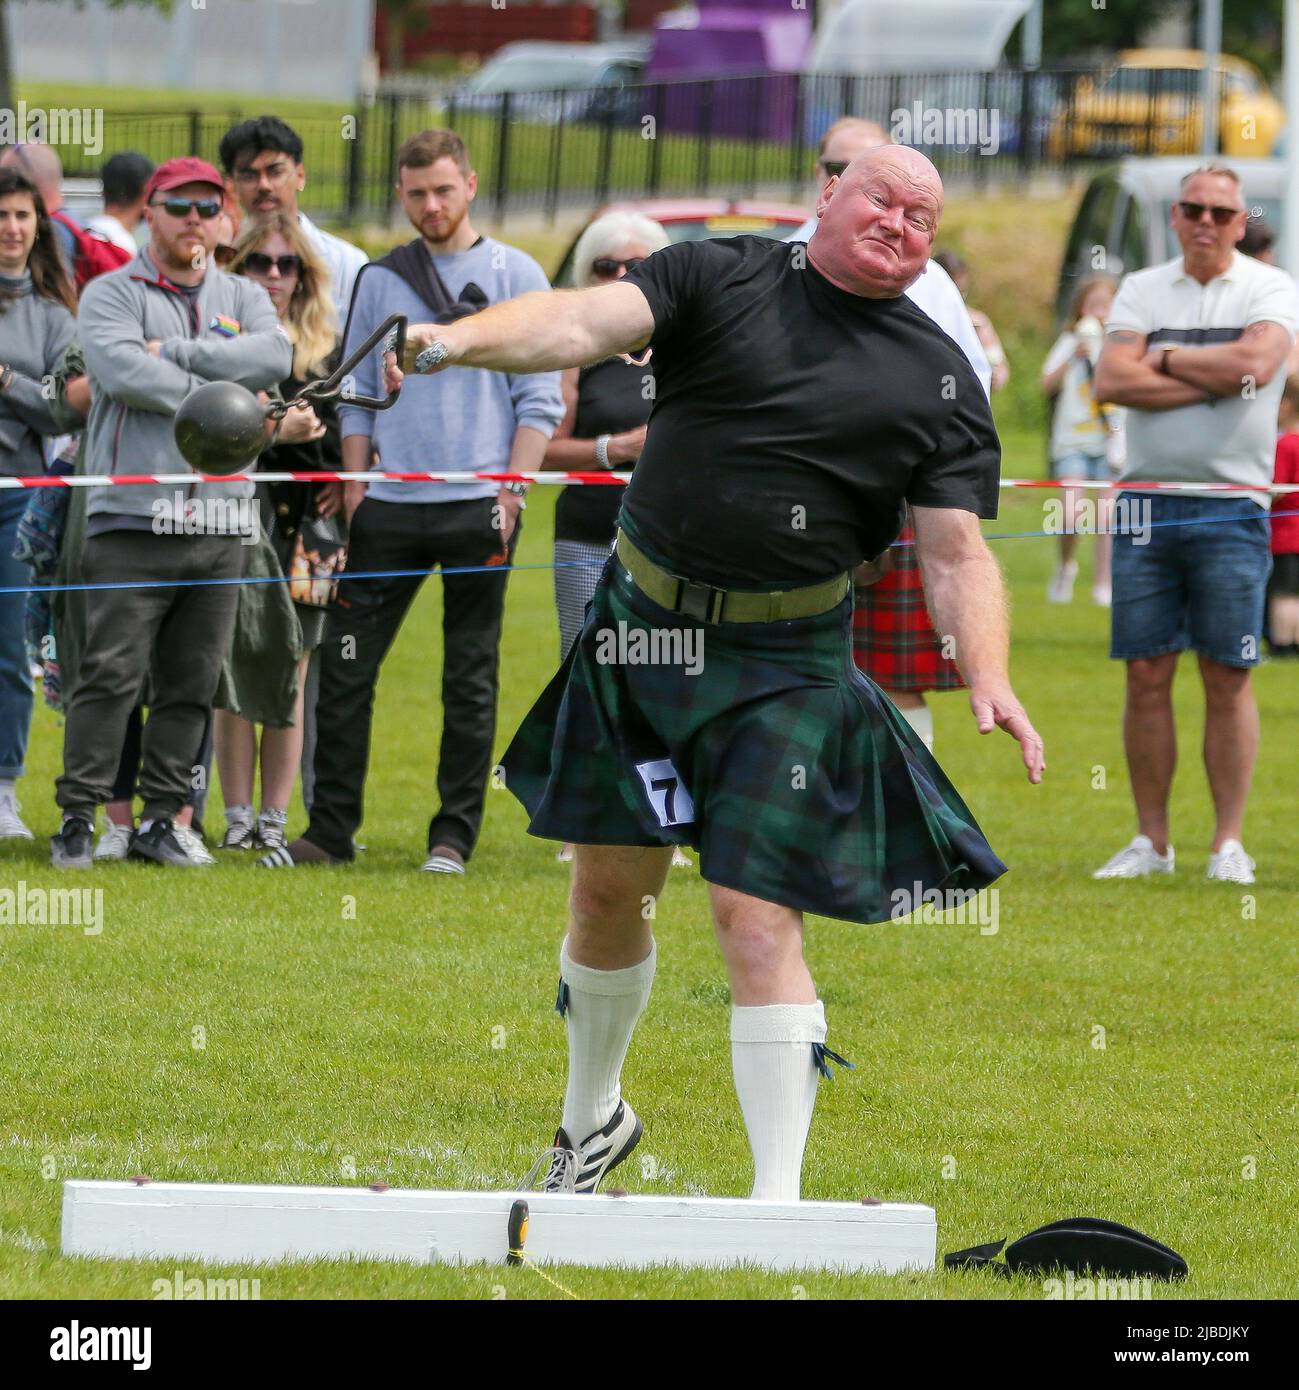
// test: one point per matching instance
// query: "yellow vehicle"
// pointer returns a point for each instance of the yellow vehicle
(1149, 103)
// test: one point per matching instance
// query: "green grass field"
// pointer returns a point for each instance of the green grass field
(1114, 1050)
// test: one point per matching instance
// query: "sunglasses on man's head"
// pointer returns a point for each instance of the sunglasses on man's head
(207, 208)
(834, 167)
(606, 267)
(1193, 212)
(260, 263)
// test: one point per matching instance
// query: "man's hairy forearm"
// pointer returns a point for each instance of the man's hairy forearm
(1221, 370)
(1143, 388)
(542, 331)
(967, 601)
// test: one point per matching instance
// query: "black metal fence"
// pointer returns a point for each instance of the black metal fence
(738, 136)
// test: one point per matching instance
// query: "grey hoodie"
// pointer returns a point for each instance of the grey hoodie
(34, 334)
(135, 395)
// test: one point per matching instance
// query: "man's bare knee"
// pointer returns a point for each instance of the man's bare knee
(1224, 685)
(1150, 679)
(612, 884)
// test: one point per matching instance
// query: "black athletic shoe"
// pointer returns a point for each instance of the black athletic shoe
(72, 847)
(159, 845)
(598, 1154)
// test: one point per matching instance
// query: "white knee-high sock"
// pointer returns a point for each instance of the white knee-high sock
(775, 1079)
(921, 720)
(603, 1006)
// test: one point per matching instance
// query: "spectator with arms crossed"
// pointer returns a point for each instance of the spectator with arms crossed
(1195, 348)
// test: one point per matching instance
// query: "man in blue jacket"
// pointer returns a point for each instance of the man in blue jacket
(152, 332)
(460, 421)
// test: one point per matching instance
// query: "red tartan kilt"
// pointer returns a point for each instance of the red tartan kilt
(893, 641)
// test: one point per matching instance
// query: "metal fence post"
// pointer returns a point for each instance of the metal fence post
(556, 165)
(605, 157)
(196, 132)
(502, 191)
(705, 133)
(655, 159)
(355, 157)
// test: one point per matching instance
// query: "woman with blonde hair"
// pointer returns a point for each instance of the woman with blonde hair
(275, 636)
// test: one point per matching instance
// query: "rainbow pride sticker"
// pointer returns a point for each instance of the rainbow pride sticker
(227, 327)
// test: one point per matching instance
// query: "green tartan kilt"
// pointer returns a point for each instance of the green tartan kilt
(791, 774)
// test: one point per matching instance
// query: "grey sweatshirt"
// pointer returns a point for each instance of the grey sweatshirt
(135, 395)
(34, 333)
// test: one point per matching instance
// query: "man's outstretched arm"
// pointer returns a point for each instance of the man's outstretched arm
(541, 331)
(967, 600)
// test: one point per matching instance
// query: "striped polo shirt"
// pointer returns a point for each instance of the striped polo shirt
(1228, 440)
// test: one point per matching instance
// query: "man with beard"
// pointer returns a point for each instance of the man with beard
(461, 422)
(153, 331)
(801, 400)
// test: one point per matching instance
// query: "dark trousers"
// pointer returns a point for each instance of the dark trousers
(361, 628)
(175, 637)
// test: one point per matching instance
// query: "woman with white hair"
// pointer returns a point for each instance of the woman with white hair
(606, 405)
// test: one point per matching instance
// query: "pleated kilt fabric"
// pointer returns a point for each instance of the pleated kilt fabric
(759, 744)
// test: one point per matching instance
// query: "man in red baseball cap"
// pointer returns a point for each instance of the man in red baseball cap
(152, 332)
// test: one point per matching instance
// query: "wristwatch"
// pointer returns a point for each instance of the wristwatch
(1165, 353)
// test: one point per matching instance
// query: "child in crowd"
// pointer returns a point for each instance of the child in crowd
(1086, 437)
(959, 270)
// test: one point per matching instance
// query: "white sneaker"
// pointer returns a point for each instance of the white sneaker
(595, 1156)
(1231, 864)
(1137, 860)
(1060, 589)
(11, 823)
(1102, 596)
(114, 843)
(191, 844)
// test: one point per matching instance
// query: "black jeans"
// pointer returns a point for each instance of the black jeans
(361, 628)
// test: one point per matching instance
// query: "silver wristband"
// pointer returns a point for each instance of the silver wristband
(602, 450)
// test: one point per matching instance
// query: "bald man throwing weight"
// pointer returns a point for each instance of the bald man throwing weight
(711, 699)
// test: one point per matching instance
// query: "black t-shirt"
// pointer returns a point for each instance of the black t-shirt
(612, 396)
(793, 419)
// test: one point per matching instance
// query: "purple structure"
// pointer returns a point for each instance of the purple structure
(763, 37)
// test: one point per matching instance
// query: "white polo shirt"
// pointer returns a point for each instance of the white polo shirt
(1228, 440)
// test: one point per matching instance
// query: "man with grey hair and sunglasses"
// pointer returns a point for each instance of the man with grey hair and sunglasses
(1196, 349)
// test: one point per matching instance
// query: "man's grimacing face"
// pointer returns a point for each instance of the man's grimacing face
(878, 221)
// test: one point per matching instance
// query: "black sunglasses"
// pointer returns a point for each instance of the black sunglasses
(207, 208)
(260, 263)
(1193, 212)
(606, 267)
(834, 167)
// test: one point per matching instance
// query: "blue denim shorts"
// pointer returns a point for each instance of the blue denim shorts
(1196, 579)
(1080, 465)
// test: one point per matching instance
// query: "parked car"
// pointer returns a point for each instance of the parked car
(549, 82)
(698, 219)
(1149, 103)
(1123, 221)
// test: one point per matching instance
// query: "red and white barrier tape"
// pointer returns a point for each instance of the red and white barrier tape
(563, 479)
